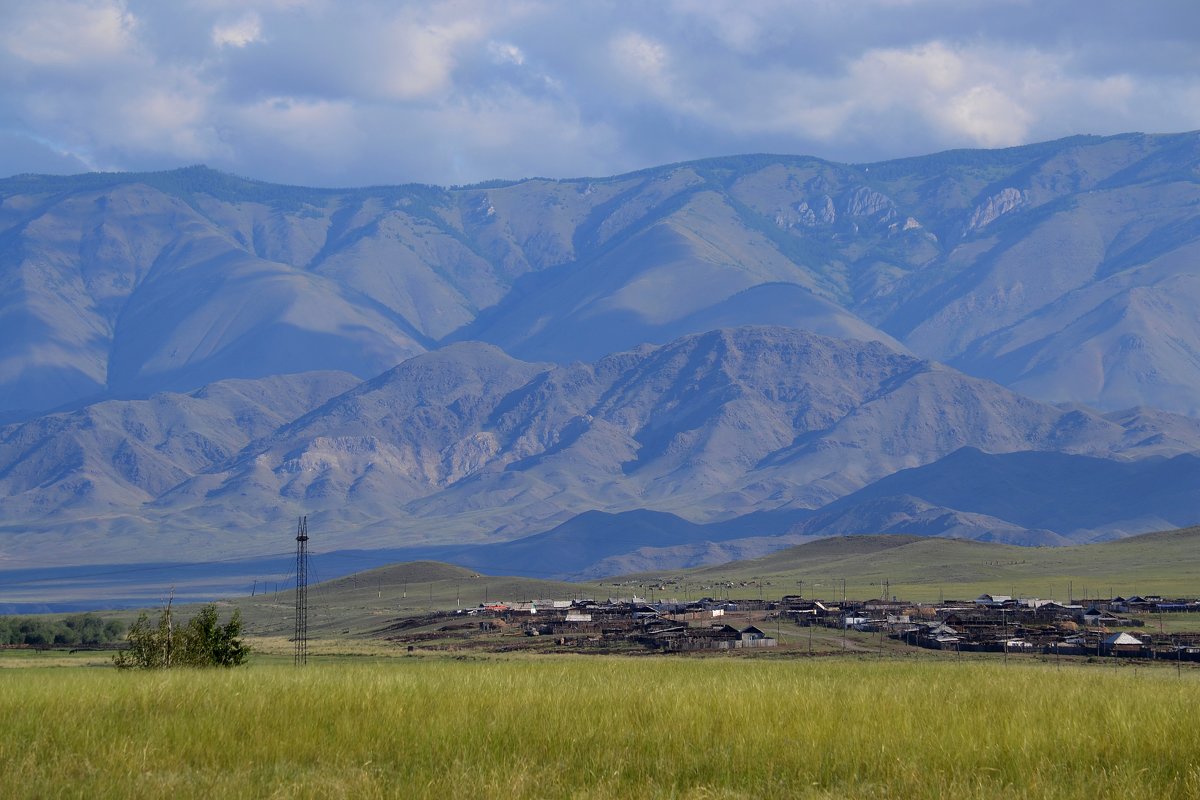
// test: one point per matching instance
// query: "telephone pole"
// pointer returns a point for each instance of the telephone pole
(301, 636)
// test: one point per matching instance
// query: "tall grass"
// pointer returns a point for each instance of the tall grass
(603, 728)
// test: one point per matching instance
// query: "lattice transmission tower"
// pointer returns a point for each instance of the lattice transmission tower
(301, 637)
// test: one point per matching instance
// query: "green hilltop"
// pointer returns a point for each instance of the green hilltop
(925, 568)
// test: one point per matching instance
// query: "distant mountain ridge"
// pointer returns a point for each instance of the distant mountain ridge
(1026, 497)
(1065, 269)
(467, 445)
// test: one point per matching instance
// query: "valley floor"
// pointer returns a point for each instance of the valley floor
(356, 723)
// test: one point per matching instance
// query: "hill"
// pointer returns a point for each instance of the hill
(367, 601)
(923, 568)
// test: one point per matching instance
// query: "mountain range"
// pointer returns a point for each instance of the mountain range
(467, 445)
(188, 359)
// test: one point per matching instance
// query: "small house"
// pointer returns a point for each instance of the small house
(1122, 644)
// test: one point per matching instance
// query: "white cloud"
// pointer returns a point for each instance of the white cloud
(172, 118)
(63, 33)
(369, 90)
(641, 58)
(988, 117)
(505, 53)
(418, 54)
(239, 33)
(979, 97)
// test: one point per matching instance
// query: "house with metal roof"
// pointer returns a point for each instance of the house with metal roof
(1122, 644)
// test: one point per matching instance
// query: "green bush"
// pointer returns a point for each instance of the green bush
(207, 643)
(202, 642)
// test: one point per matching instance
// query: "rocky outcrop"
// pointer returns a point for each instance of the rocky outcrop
(1003, 202)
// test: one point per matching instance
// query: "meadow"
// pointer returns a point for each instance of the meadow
(927, 568)
(602, 727)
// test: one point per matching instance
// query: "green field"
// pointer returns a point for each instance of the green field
(924, 569)
(602, 727)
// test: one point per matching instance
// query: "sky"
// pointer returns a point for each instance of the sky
(358, 92)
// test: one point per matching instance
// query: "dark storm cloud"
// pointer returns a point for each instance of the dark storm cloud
(322, 92)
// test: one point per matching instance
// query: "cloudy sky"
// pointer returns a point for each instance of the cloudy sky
(348, 92)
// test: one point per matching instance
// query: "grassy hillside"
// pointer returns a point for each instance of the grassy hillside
(921, 568)
(366, 600)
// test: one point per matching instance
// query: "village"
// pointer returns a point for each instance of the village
(1115, 627)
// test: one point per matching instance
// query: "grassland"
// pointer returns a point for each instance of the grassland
(924, 569)
(602, 728)
(366, 601)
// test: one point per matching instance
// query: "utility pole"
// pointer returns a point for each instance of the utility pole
(1004, 617)
(301, 635)
(168, 645)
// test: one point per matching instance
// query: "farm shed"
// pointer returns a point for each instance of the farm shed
(1095, 616)
(939, 636)
(1122, 644)
(751, 633)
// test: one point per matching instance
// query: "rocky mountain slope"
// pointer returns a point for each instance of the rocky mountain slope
(1066, 270)
(469, 445)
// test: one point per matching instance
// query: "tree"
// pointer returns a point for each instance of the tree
(72, 629)
(148, 649)
(207, 643)
(202, 642)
